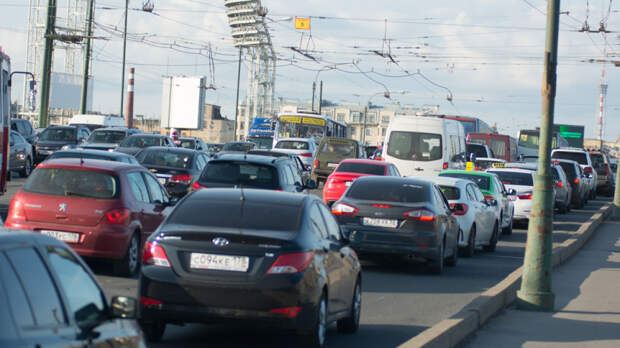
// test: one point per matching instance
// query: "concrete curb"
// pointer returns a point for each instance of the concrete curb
(452, 331)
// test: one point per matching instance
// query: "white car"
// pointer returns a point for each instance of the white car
(478, 221)
(484, 163)
(305, 148)
(582, 157)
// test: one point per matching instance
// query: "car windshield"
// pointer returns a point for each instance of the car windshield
(414, 146)
(72, 182)
(141, 141)
(339, 148)
(514, 178)
(245, 147)
(241, 174)
(569, 169)
(106, 136)
(362, 168)
(483, 181)
(477, 149)
(262, 142)
(163, 158)
(578, 157)
(450, 192)
(58, 134)
(381, 191)
(292, 145)
(188, 143)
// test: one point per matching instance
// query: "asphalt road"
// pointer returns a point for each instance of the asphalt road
(400, 299)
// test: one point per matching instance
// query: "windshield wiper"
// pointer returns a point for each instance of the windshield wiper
(77, 194)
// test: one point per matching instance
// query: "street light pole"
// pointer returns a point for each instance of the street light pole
(237, 99)
(124, 49)
(48, 50)
(89, 33)
(535, 293)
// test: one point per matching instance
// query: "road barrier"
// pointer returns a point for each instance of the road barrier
(453, 331)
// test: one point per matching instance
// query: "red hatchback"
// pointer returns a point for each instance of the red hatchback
(102, 209)
(350, 169)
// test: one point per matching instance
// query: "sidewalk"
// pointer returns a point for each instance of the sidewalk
(587, 303)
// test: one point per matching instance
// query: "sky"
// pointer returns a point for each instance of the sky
(470, 57)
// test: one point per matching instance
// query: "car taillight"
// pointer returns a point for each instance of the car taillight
(147, 302)
(291, 263)
(182, 178)
(116, 216)
(197, 186)
(445, 165)
(576, 181)
(460, 212)
(526, 195)
(489, 197)
(289, 312)
(16, 210)
(381, 206)
(559, 184)
(155, 255)
(587, 170)
(316, 163)
(419, 215)
(344, 209)
(606, 170)
(306, 154)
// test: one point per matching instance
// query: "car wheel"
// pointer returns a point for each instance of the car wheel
(351, 323)
(470, 249)
(153, 331)
(9, 176)
(129, 265)
(317, 336)
(493, 241)
(508, 229)
(593, 195)
(454, 259)
(563, 209)
(438, 265)
(25, 172)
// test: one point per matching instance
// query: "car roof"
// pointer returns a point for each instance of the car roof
(511, 170)
(395, 179)
(9, 237)
(120, 129)
(445, 180)
(111, 154)
(250, 195)
(569, 149)
(149, 135)
(87, 163)
(365, 161)
(271, 153)
(460, 171)
(491, 159)
(564, 160)
(242, 157)
(170, 149)
(297, 139)
(528, 165)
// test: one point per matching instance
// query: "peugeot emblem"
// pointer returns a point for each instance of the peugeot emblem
(219, 241)
(62, 207)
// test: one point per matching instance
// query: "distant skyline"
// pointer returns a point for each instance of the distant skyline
(486, 56)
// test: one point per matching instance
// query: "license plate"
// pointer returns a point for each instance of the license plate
(219, 262)
(380, 222)
(63, 236)
(332, 165)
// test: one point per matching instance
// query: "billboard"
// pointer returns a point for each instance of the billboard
(573, 134)
(183, 102)
(66, 91)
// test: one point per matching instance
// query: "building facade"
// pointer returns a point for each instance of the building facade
(217, 129)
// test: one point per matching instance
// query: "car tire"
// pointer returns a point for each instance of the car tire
(563, 209)
(437, 266)
(351, 323)
(153, 331)
(493, 241)
(130, 264)
(508, 229)
(470, 249)
(25, 172)
(9, 176)
(454, 259)
(317, 336)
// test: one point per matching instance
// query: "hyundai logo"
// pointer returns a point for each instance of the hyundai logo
(219, 241)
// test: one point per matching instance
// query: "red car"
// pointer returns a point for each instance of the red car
(102, 209)
(350, 169)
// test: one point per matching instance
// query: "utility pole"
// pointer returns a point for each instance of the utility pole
(363, 135)
(237, 99)
(313, 89)
(535, 293)
(89, 34)
(124, 49)
(320, 95)
(50, 24)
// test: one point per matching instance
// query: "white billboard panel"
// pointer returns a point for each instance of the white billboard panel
(183, 102)
(66, 91)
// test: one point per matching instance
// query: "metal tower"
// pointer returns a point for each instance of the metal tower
(249, 31)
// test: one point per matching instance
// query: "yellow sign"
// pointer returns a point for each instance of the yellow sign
(291, 119)
(314, 121)
(302, 23)
(469, 166)
(498, 165)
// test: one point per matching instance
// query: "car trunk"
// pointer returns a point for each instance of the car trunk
(328, 159)
(67, 210)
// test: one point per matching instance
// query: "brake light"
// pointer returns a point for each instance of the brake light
(147, 302)
(316, 163)
(419, 215)
(559, 184)
(117, 216)
(526, 195)
(16, 210)
(556, 162)
(445, 165)
(197, 186)
(306, 154)
(291, 263)
(344, 209)
(606, 170)
(587, 170)
(576, 181)
(381, 206)
(182, 178)
(461, 212)
(289, 312)
(155, 255)
(489, 197)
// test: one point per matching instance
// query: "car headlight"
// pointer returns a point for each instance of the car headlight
(66, 147)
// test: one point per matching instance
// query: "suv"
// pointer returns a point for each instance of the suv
(51, 298)
(23, 127)
(253, 171)
(330, 152)
(575, 178)
(604, 183)
(107, 138)
(55, 138)
(582, 157)
(477, 150)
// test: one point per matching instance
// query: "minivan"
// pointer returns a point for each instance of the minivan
(423, 145)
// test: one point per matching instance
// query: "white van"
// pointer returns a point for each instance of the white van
(97, 121)
(424, 145)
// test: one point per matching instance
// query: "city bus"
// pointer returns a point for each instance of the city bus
(261, 132)
(528, 142)
(308, 125)
(503, 146)
(470, 124)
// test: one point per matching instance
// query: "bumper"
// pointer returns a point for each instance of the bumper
(333, 192)
(523, 209)
(368, 240)
(321, 173)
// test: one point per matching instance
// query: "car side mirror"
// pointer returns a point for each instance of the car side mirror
(311, 184)
(123, 307)
(492, 202)
(457, 209)
(511, 192)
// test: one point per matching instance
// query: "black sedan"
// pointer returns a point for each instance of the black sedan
(136, 142)
(175, 168)
(399, 216)
(20, 154)
(264, 257)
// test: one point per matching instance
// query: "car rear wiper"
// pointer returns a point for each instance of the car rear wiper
(78, 194)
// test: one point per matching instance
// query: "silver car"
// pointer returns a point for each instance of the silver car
(305, 148)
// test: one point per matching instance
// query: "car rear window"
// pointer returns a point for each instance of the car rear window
(451, 192)
(58, 134)
(138, 141)
(569, 169)
(513, 178)
(106, 136)
(292, 145)
(578, 157)
(477, 149)
(163, 158)
(72, 182)
(363, 168)
(597, 159)
(238, 147)
(241, 173)
(235, 214)
(414, 146)
(484, 182)
(188, 143)
(339, 148)
(382, 191)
